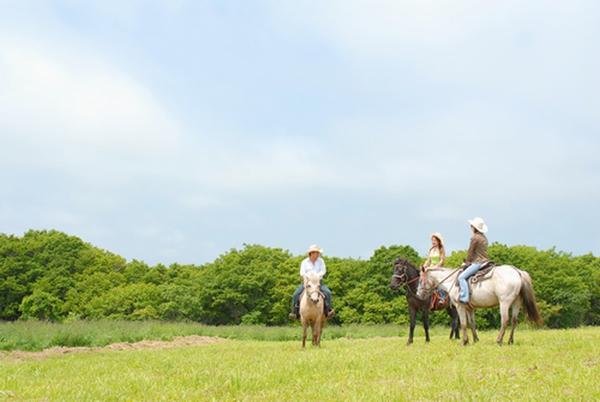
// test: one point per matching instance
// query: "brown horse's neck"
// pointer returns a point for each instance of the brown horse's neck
(412, 281)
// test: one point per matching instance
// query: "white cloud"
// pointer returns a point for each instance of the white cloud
(507, 50)
(69, 99)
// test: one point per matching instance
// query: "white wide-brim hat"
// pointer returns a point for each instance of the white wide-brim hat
(314, 248)
(439, 237)
(478, 224)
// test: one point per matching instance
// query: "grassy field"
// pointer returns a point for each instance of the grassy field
(38, 335)
(542, 365)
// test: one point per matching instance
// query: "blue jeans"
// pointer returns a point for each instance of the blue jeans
(462, 281)
(326, 291)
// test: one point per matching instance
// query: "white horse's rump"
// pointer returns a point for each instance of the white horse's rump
(312, 311)
(508, 287)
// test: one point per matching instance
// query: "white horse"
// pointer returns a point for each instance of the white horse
(508, 287)
(312, 311)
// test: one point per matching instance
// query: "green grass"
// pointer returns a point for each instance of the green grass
(39, 335)
(542, 365)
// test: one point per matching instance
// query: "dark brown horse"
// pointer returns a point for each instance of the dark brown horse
(405, 274)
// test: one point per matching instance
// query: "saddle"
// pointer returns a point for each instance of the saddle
(485, 272)
(439, 300)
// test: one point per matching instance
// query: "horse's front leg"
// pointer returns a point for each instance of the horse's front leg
(319, 329)
(315, 333)
(304, 329)
(462, 316)
(412, 313)
(426, 321)
(473, 325)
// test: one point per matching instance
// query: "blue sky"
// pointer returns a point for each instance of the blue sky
(174, 131)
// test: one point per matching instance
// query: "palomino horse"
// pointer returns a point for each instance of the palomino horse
(508, 287)
(312, 311)
(407, 275)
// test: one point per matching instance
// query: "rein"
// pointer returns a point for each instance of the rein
(405, 282)
(429, 290)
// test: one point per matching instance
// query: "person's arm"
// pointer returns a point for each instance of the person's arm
(427, 261)
(323, 268)
(472, 249)
(303, 268)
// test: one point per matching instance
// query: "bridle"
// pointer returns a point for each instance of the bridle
(429, 290)
(318, 290)
(403, 279)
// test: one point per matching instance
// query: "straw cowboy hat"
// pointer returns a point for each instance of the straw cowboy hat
(314, 248)
(478, 224)
(439, 237)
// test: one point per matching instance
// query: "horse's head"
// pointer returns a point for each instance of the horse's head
(312, 287)
(401, 273)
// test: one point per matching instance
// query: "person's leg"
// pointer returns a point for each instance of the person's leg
(295, 302)
(328, 299)
(462, 281)
(443, 295)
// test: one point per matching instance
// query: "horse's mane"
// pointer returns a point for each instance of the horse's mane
(405, 263)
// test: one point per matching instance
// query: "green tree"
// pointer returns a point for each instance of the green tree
(41, 305)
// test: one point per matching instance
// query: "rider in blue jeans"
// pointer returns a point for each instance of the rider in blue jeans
(313, 264)
(476, 256)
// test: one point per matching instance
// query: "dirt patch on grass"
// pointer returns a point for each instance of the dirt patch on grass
(179, 341)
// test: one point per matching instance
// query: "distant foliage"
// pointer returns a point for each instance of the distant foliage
(49, 275)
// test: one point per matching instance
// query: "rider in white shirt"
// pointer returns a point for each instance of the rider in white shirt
(308, 266)
(312, 264)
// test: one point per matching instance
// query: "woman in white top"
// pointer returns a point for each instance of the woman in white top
(312, 264)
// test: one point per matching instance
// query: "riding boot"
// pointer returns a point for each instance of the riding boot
(295, 314)
(329, 311)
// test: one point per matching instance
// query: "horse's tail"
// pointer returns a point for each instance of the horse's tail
(528, 296)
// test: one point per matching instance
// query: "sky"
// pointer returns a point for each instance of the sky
(174, 131)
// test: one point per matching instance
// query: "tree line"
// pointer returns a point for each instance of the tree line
(50, 275)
